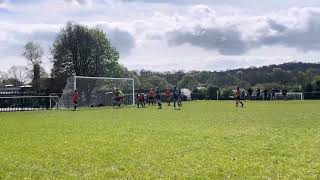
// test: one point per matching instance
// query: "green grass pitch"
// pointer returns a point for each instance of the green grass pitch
(204, 140)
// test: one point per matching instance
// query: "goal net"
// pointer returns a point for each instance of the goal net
(27, 103)
(96, 91)
(289, 96)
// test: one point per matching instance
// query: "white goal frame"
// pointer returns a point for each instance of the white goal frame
(105, 78)
(71, 86)
(290, 93)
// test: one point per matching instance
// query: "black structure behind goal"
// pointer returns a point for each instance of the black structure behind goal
(22, 99)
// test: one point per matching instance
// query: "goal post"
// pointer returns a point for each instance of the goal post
(97, 91)
(290, 96)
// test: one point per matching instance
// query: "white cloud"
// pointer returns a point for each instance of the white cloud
(297, 28)
(170, 35)
(4, 4)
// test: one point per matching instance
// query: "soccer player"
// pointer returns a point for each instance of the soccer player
(175, 97)
(284, 94)
(273, 94)
(238, 97)
(168, 96)
(75, 99)
(258, 95)
(180, 98)
(243, 95)
(122, 101)
(117, 98)
(158, 98)
(265, 94)
(250, 92)
(151, 97)
(137, 99)
(141, 100)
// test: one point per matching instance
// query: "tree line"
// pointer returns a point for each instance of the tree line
(85, 51)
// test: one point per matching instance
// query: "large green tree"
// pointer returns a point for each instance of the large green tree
(153, 81)
(83, 51)
(188, 81)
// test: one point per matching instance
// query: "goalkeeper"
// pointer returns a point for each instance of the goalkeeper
(118, 97)
(75, 99)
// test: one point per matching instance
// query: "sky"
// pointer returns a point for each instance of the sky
(169, 35)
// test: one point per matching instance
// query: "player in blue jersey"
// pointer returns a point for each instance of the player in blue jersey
(158, 98)
(180, 98)
(175, 97)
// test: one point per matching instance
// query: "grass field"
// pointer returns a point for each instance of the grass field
(265, 140)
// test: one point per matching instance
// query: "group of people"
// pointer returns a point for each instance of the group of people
(263, 94)
(118, 98)
(259, 94)
(152, 98)
(155, 97)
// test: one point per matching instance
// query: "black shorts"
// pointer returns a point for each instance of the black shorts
(238, 98)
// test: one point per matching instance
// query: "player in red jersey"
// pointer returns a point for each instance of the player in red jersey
(238, 97)
(75, 99)
(168, 95)
(117, 97)
(140, 100)
(151, 97)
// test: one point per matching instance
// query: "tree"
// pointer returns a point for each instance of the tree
(240, 74)
(174, 77)
(153, 82)
(279, 75)
(33, 53)
(3, 78)
(309, 75)
(213, 92)
(188, 82)
(19, 74)
(125, 73)
(83, 51)
(203, 77)
(317, 85)
(244, 84)
(308, 88)
(301, 78)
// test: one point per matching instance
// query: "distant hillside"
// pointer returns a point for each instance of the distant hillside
(292, 66)
(296, 76)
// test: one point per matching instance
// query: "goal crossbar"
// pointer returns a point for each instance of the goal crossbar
(104, 78)
(291, 93)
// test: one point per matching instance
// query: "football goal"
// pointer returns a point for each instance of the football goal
(289, 96)
(97, 91)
